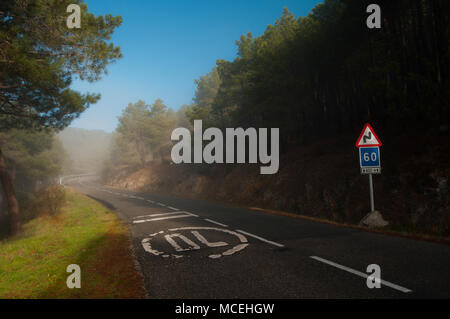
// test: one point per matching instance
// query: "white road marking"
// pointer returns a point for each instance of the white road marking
(361, 274)
(229, 252)
(161, 204)
(159, 218)
(193, 215)
(260, 238)
(241, 238)
(204, 241)
(172, 208)
(160, 232)
(214, 222)
(190, 243)
(156, 215)
(150, 201)
(148, 247)
(235, 249)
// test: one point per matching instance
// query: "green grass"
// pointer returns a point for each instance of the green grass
(33, 264)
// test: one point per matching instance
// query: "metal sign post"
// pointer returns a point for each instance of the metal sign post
(372, 203)
(369, 157)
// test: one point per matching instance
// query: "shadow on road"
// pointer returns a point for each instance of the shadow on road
(105, 203)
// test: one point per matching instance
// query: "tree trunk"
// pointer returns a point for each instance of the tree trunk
(13, 173)
(10, 194)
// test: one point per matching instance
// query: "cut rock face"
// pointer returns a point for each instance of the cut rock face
(373, 220)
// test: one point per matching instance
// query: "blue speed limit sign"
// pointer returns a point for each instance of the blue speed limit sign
(369, 158)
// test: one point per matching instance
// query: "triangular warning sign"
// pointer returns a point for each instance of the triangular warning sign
(368, 137)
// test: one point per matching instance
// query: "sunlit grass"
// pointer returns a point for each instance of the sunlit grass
(33, 264)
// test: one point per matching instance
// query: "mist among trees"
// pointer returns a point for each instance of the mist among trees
(324, 74)
(40, 56)
(315, 76)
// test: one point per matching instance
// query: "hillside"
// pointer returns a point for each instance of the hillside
(323, 181)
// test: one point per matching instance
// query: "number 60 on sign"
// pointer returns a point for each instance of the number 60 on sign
(369, 158)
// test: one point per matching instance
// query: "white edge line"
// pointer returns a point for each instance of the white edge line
(190, 214)
(158, 215)
(160, 218)
(172, 208)
(260, 238)
(214, 222)
(361, 274)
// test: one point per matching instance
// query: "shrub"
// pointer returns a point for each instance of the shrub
(49, 200)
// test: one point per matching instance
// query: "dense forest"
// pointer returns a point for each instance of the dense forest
(327, 73)
(318, 79)
(314, 77)
(40, 56)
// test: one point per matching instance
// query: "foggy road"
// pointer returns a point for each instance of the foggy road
(197, 249)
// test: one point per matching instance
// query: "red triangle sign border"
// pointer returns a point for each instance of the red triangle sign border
(362, 133)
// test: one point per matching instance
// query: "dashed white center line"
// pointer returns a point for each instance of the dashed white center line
(260, 238)
(159, 218)
(361, 274)
(214, 222)
(189, 213)
(156, 215)
(164, 216)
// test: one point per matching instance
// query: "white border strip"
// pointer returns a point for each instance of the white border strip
(214, 222)
(159, 218)
(361, 274)
(157, 215)
(260, 238)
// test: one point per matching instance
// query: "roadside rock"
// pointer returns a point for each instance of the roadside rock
(373, 219)
(442, 183)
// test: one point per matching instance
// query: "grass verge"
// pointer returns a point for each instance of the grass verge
(33, 264)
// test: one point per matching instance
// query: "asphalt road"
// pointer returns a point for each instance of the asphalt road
(197, 249)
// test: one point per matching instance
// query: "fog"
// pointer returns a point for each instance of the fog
(86, 149)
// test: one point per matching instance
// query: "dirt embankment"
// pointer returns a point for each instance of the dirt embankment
(322, 180)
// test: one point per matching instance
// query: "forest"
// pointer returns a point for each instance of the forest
(316, 77)
(39, 59)
(319, 79)
(327, 73)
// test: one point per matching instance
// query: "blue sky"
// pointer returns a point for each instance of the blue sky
(167, 44)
